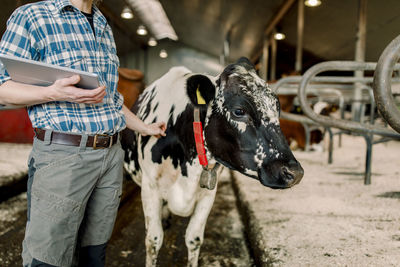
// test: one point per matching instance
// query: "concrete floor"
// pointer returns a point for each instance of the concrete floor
(13, 161)
(330, 218)
(225, 243)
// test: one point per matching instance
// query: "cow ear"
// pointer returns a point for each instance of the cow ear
(245, 62)
(200, 90)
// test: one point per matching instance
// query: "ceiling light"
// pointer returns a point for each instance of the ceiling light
(279, 36)
(141, 30)
(126, 13)
(152, 42)
(312, 3)
(163, 53)
(152, 14)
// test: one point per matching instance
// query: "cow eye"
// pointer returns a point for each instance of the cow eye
(239, 112)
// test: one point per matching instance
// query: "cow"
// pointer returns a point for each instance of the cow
(178, 173)
(294, 131)
(130, 85)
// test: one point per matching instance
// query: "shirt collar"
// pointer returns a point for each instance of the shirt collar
(61, 4)
(97, 15)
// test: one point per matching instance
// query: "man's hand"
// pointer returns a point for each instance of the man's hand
(157, 129)
(135, 124)
(65, 90)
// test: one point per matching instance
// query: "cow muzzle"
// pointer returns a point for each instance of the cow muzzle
(291, 176)
(281, 175)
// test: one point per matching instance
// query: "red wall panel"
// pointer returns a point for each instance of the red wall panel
(15, 126)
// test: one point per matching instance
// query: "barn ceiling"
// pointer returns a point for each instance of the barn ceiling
(329, 33)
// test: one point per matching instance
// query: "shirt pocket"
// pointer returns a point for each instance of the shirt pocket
(67, 58)
(111, 62)
(110, 73)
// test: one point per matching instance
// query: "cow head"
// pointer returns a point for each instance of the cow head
(242, 126)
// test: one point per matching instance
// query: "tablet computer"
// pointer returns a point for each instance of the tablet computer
(43, 74)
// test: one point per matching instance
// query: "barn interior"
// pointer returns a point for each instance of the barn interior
(340, 113)
(210, 34)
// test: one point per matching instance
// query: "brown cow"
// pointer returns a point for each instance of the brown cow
(130, 85)
(293, 130)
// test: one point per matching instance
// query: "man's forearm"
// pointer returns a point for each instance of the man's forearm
(13, 94)
(132, 121)
(19, 94)
(135, 124)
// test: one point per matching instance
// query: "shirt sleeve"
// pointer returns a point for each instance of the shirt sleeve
(16, 40)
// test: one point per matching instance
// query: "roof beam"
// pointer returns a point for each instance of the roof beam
(284, 8)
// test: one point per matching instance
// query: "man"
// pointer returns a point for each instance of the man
(75, 167)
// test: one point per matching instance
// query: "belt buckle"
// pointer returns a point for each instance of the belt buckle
(95, 141)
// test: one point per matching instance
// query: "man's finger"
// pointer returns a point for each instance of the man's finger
(97, 91)
(89, 100)
(162, 126)
(70, 80)
(86, 99)
(94, 93)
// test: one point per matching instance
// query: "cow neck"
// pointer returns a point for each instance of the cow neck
(208, 176)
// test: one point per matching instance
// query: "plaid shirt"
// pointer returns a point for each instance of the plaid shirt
(56, 32)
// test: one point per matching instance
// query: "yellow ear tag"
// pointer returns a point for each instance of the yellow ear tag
(200, 99)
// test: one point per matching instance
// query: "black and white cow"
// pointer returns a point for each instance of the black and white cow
(241, 132)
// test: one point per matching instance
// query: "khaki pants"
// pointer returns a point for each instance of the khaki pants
(71, 190)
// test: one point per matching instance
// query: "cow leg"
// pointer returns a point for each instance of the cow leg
(195, 230)
(152, 206)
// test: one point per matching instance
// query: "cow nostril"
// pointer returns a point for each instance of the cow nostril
(286, 175)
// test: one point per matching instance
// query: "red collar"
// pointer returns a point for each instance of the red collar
(199, 139)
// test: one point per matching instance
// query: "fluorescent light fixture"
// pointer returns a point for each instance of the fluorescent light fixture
(126, 13)
(312, 3)
(154, 17)
(141, 30)
(279, 36)
(152, 42)
(163, 53)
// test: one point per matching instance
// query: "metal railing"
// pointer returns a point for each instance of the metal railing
(353, 126)
(382, 84)
(323, 79)
(290, 84)
(365, 130)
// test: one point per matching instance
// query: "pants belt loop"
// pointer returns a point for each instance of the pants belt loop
(82, 145)
(47, 137)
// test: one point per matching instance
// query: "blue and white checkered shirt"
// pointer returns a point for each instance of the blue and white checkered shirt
(56, 32)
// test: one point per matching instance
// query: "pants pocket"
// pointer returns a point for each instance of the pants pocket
(51, 233)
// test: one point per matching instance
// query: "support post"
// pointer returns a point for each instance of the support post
(264, 59)
(330, 146)
(368, 159)
(273, 57)
(225, 49)
(359, 57)
(300, 33)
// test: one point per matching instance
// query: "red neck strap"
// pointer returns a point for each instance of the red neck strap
(198, 137)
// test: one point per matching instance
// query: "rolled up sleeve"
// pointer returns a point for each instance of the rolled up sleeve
(16, 40)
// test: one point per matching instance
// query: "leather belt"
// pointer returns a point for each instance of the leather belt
(95, 141)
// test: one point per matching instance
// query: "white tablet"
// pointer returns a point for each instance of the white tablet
(43, 74)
